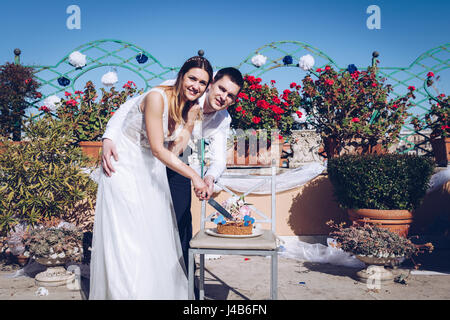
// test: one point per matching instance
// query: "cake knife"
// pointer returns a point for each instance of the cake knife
(219, 208)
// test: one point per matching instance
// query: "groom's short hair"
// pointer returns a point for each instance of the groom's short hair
(234, 74)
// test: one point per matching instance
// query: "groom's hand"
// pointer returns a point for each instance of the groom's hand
(209, 180)
(108, 150)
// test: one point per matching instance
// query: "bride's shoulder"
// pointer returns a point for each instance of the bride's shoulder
(154, 100)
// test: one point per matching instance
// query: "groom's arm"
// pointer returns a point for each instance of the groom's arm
(218, 153)
(115, 122)
(110, 136)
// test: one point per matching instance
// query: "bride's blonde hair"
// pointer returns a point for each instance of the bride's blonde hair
(177, 111)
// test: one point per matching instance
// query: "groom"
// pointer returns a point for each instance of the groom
(221, 93)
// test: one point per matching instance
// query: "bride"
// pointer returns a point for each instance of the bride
(136, 252)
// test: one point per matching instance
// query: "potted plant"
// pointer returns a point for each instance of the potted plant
(15, 242)
(89, 115)
(384, 188)
(261, 114)
(376, 247)
(438, 120)
(54, 247)
(44, 177)
(352, 108)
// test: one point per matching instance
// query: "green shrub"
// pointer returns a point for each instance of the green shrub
(42, 177)
(389, 181)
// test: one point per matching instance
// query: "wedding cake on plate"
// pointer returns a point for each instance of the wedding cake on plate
(242, 223)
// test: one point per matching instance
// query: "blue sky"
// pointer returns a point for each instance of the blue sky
(228, 31)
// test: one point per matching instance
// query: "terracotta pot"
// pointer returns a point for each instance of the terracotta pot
(92, 149)
(22, 260)
(441, 149)
(253, 157)
(397, 221)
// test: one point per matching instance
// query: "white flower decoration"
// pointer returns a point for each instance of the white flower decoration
(109, 79)
(306, 62)
(298, 119)
(259, 60)
(77, 59)
(50, 102)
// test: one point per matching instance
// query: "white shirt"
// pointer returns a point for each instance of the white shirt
(214, 127)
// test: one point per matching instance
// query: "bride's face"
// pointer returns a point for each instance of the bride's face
(194, 83)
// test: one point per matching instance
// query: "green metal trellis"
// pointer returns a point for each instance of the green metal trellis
(116, 53)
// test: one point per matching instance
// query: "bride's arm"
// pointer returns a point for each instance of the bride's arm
(153, 116)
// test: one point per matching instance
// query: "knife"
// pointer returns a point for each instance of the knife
(219, 208)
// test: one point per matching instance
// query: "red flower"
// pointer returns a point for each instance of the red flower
(78, 92)
(318, 70)
(280, 137)
(44, 108)
(243, 95)
(251, 79)
(394, 106)
(329, 82)
(67, 94)
(256, 119)
(355, 120)
(276, 100)
(272, 81)
(445, 127)
(293, 84)
(262, 104)
(27, 81)
(126, 86)
(287, 91)
(327, 68)
(355, 75)
(411, 88)
(239, 109)
(258, 80)
(252, 99)
(430, 74)
(71, 102)
(374, 84)
(298, 87)
(299, 114)
(244, 112)
(112, 113)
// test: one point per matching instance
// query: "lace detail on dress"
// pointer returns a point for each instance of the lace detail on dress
(134, 125)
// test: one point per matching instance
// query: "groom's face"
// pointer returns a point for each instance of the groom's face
(222, 93)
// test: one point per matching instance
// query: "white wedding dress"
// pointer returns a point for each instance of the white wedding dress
(136, 251)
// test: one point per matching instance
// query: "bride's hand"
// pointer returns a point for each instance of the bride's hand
(200, 188)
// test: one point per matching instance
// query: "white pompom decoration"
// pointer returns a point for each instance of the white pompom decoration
(306, 62)
(77, 59)
(298, 119)
(109, 79)
(259, 60)
(50, 102)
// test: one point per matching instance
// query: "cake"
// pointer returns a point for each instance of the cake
(235, 228)
(240, 222)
